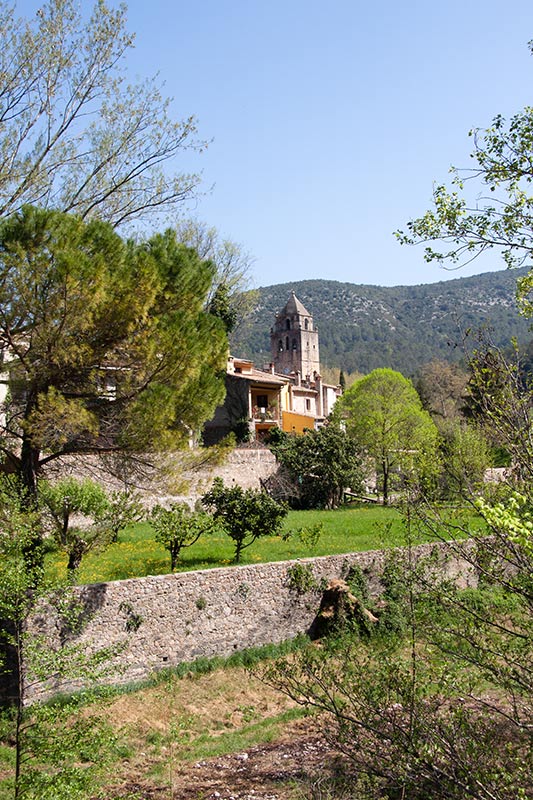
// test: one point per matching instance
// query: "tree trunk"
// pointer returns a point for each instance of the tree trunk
(30, 454)
(385, 484)
(75, 554)
(238, 548)
(19, 719)
(29, 466)
(29, 463)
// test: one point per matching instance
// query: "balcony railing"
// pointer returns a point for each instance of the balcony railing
(263, 413)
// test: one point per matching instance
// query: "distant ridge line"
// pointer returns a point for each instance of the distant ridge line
(364, 326)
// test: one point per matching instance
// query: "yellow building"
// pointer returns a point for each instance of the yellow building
(289, 394)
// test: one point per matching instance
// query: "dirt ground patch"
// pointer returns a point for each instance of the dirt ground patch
(225, 735)
(273, 771)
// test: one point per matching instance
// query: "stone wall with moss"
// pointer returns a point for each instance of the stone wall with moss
(160, 621)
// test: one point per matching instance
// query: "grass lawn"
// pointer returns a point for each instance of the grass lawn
(349, 529)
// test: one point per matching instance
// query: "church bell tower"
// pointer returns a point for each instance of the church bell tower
(294, 341)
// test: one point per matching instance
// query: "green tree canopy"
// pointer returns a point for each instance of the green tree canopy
(384, 414)
(441, 386)
(178, 526)
(229, 298)
(321, 464)
(245, 514)
(107, 343)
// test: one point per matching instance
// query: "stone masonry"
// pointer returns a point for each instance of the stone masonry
(163, 620)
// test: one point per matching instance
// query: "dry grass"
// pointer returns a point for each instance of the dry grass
(163, 728)
(222, 701)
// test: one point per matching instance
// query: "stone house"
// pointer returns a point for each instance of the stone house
(289, 393)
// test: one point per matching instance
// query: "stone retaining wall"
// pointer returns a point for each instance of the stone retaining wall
(181, 479)
(163, 620)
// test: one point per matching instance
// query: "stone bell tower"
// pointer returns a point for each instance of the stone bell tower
(294, 341)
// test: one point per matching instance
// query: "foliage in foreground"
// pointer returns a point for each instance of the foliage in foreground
(434, 712)
(446, 711)
(96, 741)
(54, 756)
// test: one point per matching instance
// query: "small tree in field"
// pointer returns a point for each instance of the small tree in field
(105, 515)
(245, 514)
(178, 527)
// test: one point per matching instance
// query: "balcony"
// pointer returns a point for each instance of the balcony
(268, 413)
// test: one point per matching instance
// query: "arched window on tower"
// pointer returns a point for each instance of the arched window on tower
(288, 324)
(280, 345)
(287, 343)
(306, 324)
(294, 345)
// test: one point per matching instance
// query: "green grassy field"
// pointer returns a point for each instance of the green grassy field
(344, 530)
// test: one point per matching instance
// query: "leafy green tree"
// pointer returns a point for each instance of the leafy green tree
(178, 527)
(123, 509)
(499, 402)
(57, 751)
(442, 387)
(245, 514)
(68, 497)
(489, 205)
(342, 380)
(220, 306)
(109, 347)
(75, 134)
(320, 464)
(384, 415)
(104, 515)
(465, 458)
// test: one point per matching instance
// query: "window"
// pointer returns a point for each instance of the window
(261, 400)
(294, 345)
(287, 343)
(288, 324)
(280, 345)
(307, 404)
(306, 324)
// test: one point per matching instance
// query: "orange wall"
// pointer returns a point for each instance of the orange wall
(296, 423)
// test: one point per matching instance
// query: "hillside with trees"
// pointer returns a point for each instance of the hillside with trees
(401, 327)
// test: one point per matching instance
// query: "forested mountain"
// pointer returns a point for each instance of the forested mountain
(363, 327)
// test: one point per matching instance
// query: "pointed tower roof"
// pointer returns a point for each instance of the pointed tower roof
(294, 306)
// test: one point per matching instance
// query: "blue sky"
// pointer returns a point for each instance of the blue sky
(330, 122)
